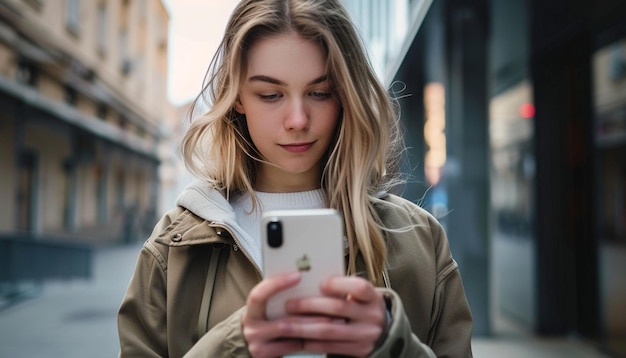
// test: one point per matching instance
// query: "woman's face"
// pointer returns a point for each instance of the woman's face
(290, 111)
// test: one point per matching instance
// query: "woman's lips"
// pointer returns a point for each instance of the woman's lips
(297, 147)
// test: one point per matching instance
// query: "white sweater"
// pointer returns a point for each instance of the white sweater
(250, 220)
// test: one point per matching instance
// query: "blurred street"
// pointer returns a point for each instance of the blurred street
(513, 114)
(77, 319)
(71, 319)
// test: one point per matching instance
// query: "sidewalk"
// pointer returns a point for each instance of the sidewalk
(519, 347)
(77, 319)
(71, 319)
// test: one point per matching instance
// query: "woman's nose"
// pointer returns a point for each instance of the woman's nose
(297, 116)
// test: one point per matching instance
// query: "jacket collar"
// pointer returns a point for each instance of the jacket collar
(211, 205)
(207, 214)
(189, 229)
(206, 202)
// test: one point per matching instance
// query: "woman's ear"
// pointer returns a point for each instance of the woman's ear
(239, 106)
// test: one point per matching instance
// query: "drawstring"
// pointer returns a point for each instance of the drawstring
(386, 277)
(203, 319)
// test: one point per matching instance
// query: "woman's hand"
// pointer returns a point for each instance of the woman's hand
(273, 338)
(362, 315)
(348, 320)
(261, 334)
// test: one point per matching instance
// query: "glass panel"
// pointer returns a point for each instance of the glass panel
(609, 76)
(512, 191)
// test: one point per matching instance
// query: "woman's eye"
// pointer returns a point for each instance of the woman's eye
(321, 95)
(269, 97)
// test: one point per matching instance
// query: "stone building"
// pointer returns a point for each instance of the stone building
(82, 104)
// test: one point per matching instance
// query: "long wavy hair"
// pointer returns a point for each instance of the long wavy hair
(362, 160)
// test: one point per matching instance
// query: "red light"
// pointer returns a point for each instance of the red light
(527, 110)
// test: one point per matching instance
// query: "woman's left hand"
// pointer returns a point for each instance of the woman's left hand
(361, 317)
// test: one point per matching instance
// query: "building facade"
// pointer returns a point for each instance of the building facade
(515, 117)
(82, 102)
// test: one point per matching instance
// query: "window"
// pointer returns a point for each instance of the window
(71, 96)
(123, 123)
(618, 61)
(27, 73)
(72, 14)
(101, 41)
(102, 111)
(126, 64)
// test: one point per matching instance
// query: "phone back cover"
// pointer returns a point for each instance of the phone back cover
(312, 244)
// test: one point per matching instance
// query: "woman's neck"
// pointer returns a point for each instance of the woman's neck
(271, 179)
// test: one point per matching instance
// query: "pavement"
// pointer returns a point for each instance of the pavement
(77, 318)
(74, 318)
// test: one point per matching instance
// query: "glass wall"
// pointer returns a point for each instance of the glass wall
(609, 78)
(387, 27)
(512, 193)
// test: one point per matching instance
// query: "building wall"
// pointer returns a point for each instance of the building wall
(142, 23)
(83, 98)
(555, 81)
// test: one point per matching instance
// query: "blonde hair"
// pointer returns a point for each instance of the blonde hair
(362, 160)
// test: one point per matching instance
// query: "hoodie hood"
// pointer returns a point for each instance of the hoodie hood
(211, 205)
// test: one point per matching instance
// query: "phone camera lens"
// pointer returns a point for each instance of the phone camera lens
(274, 234)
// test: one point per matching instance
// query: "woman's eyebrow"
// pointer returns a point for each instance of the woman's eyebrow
(272, 80)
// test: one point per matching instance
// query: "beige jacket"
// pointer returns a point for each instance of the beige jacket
(162, 314)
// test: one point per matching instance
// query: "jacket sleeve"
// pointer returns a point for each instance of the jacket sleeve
(223, 340)
(141, 318)
(399, 341)
(451, 325)
(450, 330)
(449, 319)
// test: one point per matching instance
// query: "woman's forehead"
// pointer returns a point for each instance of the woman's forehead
(286, 58)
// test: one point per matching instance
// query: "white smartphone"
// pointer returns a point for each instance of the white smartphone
(307, 240)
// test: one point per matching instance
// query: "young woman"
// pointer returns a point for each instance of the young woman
(298, 120)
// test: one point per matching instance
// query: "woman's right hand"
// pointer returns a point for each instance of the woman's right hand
(278, 337)
(266, 338)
